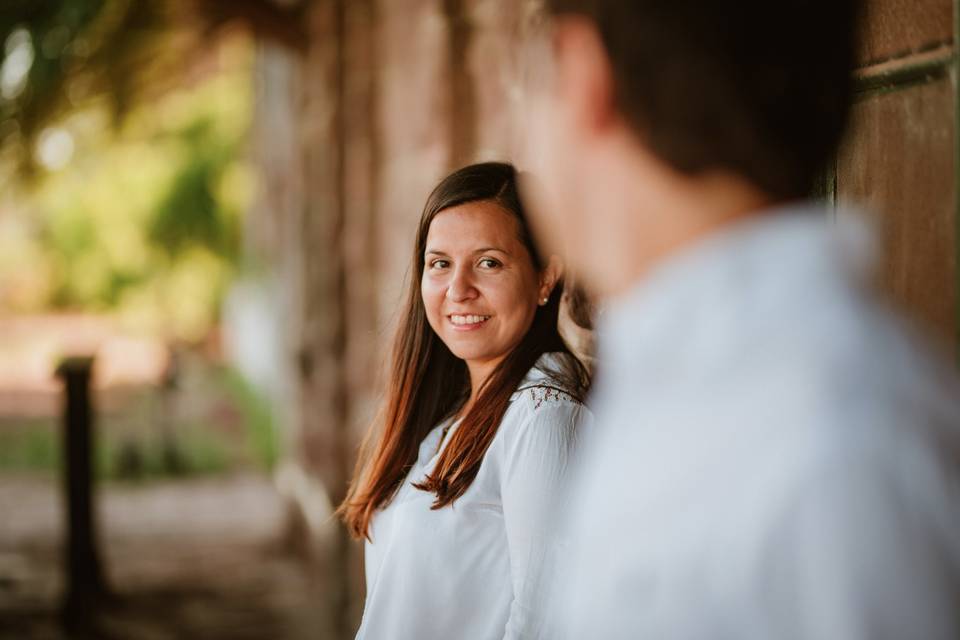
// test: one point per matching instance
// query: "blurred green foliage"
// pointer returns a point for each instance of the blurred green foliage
(78, 52)
(29, 445)
(123, 183)
(140, 216)
(190, 213)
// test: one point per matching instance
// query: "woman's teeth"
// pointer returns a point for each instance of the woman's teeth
(468, 319)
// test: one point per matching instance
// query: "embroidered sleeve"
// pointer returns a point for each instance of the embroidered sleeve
(545, 393)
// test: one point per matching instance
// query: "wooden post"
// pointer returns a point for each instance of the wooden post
(84, 577)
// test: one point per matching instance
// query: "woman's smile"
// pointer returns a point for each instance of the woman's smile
(467, 322)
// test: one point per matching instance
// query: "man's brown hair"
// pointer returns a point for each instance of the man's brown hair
(756, 87)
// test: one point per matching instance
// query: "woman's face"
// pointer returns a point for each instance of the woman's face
(479, 285)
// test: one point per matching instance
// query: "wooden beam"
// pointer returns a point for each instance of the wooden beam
(900, 73)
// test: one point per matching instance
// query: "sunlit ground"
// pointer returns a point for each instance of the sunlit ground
(191, 558)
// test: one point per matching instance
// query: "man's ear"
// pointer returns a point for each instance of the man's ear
(584, 75)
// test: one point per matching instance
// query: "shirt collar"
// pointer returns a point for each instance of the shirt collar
(777, 253)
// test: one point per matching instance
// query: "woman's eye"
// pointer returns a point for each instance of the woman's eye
(489, 263)
(439, 264)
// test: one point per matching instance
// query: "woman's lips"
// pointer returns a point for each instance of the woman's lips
(467, 322)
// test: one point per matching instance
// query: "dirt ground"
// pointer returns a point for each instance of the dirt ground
(193, 558)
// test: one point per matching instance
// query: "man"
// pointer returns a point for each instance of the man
(775, 455)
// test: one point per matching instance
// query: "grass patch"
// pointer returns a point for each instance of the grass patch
(38, 447)
(218, 423)
(258, 417)
(193, 453)
(30, 445)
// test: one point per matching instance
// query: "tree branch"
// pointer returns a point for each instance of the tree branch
(266, 19)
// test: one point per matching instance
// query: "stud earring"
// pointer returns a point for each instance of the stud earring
(543, 301)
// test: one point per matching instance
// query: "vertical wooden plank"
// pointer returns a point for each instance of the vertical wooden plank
(955, 80)
(460, 83)
(323, 391)
(361, 249)
(414, 123)
(898, 159)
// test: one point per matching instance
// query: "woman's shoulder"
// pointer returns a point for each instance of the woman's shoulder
(546, 411)
(544, 394)
(553, 381)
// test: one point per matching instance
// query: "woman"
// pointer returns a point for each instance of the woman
(480, 416)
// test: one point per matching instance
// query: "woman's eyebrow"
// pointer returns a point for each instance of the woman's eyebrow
(437, 252)
(485, 249)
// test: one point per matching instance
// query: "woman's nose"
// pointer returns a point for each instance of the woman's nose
(461, 287)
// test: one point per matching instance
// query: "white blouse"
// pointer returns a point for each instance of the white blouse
(473, 570)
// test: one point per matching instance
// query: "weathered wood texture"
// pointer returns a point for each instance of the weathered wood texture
(898, 28)
(899, 162)
(899, 157)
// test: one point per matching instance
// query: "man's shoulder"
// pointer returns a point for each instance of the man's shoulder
(855, 353)
(862, 387)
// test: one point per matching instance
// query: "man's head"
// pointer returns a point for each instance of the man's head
(667, 107)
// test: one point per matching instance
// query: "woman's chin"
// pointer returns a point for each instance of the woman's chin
(469, 355)
(476, 353)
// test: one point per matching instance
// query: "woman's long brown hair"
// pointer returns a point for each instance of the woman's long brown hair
(429, 384)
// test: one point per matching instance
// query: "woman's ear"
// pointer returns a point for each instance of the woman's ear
(549, 278)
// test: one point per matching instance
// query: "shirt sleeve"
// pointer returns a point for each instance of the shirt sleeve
(535, 458)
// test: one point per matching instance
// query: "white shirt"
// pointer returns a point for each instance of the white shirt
(474, 570)
(774, 455)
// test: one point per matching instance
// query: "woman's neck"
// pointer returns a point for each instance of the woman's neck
(479, 372)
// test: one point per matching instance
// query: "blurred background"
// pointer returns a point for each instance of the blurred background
(215, 200)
